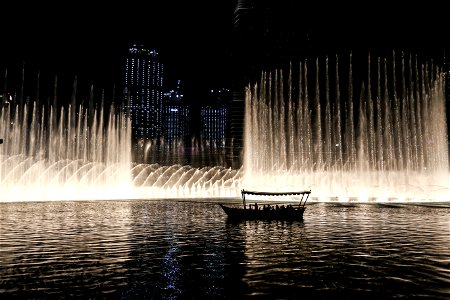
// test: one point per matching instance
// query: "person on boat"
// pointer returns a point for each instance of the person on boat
(256, 206)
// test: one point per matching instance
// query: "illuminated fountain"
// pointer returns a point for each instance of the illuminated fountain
(377, 139)
(313, 127)
(85, 154)
(50, 156)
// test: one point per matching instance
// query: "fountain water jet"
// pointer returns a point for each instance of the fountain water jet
(81, 155)
(381, 138)
(378, 139)
(48, 155)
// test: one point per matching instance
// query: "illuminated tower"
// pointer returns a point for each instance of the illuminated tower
(175, 128)
(175, 116)
(214, 118)
(144, 93)
(214, 126)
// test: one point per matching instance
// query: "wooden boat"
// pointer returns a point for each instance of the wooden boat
(268, 211)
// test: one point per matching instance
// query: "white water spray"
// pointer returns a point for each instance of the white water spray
(388, 142)
(383, 138)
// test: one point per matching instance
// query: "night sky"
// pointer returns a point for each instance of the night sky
(90, 42)
(193, 38)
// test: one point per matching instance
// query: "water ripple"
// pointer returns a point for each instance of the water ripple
(172, 249)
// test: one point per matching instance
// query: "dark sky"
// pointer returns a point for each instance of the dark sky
(90, 41)
(194, 38)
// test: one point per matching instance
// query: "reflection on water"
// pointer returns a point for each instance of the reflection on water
(169, 249)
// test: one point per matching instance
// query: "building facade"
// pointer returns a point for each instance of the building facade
(144, 74)
(215, 126)
(215, 118)
(175, 117)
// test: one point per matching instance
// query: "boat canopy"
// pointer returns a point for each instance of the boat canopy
(276, 193)
(259, 193)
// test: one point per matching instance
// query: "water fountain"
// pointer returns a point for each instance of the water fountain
(51, 155)
(377, 136)
(314, 127)
(79, 153)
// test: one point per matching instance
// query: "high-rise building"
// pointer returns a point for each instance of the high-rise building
(144, 73)
(175, 116)
(215, 118)
(214, 128)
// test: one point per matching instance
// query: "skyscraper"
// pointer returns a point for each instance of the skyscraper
(144, 73)
(175, 117)
(214, 118)
(214, 127)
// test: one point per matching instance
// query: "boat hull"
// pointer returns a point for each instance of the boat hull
(252, 214)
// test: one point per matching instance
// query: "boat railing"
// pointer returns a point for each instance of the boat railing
(304, 195)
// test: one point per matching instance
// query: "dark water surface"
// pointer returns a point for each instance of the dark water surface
(168, 249)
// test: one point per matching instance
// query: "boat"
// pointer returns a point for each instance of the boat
(268, 210)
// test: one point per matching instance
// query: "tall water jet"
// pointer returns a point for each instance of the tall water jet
(45, 157)
(68, 154)
(78, 153)
(382, 135)
(348, 133)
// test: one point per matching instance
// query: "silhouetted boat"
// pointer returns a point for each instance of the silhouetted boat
(268, 211)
